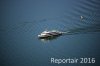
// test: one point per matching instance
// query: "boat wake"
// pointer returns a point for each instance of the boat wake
(50, 35)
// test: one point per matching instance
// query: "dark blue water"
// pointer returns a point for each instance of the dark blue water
(22, 21)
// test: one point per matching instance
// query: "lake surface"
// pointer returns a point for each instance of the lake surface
(22, 21)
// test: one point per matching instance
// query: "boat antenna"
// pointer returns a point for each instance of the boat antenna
(46, 30)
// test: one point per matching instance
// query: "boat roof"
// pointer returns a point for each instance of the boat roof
(49, 31)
